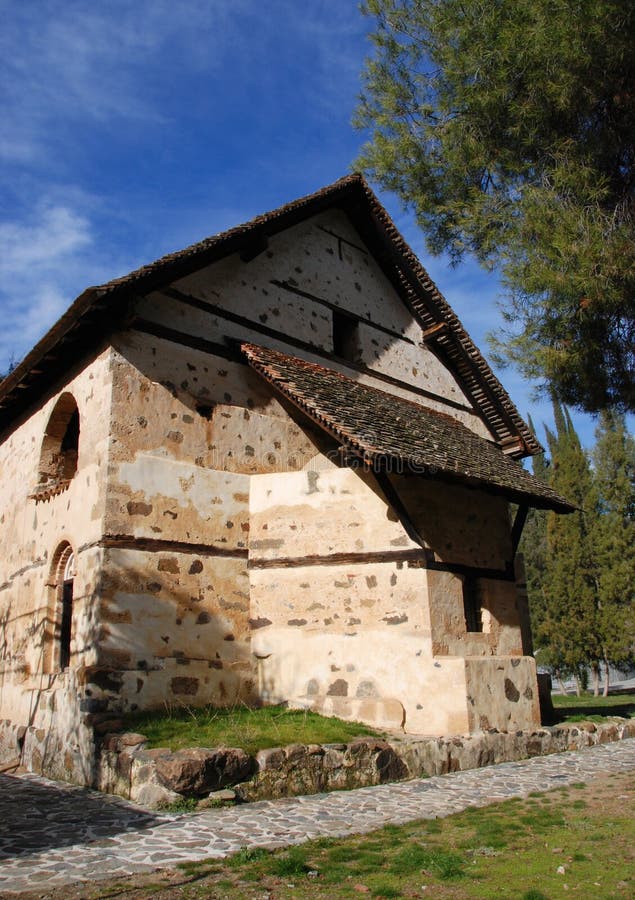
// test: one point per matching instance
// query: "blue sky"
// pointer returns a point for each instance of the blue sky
(133, 129)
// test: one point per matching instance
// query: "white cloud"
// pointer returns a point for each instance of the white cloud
(45, 259)
(27, 249)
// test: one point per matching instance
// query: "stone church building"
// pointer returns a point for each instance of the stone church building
(270, 467)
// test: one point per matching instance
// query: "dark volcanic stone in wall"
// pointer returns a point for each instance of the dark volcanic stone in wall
(339, 688)
(184, 685)
(511, 691)
(138, 508)
(199, 771)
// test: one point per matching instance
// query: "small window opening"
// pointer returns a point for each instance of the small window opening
(70, 441)
(346, 336)
(205, 410)
(66, 621)
(472, 604)
(59, 627)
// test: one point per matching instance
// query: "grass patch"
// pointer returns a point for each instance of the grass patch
(198, 867)
(184, 805)
(248, 855)
(420, 858)
(587, 708)
(290, 864)
(240, 726)
(386, 889)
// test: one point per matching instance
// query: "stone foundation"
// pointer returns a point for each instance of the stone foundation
(11, 744)
(155, 777)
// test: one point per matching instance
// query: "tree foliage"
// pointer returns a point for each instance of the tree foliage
(507, 127)
(533, 547)
(12, 365)
(581, 567)
(571, 603)
(614, 538)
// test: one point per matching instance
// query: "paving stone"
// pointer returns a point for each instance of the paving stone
(53, 834)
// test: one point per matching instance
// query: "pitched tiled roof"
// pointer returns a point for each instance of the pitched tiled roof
(98, 310)
(380, 426)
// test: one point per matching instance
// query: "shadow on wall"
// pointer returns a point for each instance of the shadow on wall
(154, 628)
(50, 734)
(174, 629)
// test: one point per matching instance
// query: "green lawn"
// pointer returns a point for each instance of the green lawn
(570, 708)
(249, 729)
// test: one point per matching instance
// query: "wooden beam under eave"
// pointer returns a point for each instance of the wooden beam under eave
(434, 331)
(514, 448)
(517, 452)
(517, 527)
(254, 246)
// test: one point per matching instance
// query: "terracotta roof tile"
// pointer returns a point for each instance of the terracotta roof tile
(376, 425)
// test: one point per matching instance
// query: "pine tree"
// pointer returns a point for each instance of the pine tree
(507, 128)
(614, 539)
(571, 623)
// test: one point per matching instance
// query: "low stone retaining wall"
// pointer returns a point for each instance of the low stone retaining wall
(156, 777)
(51, 753)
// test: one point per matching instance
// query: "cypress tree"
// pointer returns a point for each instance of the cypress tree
(534, 550)
(614, 539)
(571, 602)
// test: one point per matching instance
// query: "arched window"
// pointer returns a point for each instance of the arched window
(60, 446)
(60, 632)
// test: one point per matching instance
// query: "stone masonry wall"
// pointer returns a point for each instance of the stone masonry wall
(221, 553)
(36, 695)
(321, 259)
(349, 625)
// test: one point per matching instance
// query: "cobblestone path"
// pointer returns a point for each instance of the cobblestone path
(53, 834)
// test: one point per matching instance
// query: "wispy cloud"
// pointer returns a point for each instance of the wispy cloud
(36, 261)
(105, 108)
(118, 61)
(35, 248)
(46, 258)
